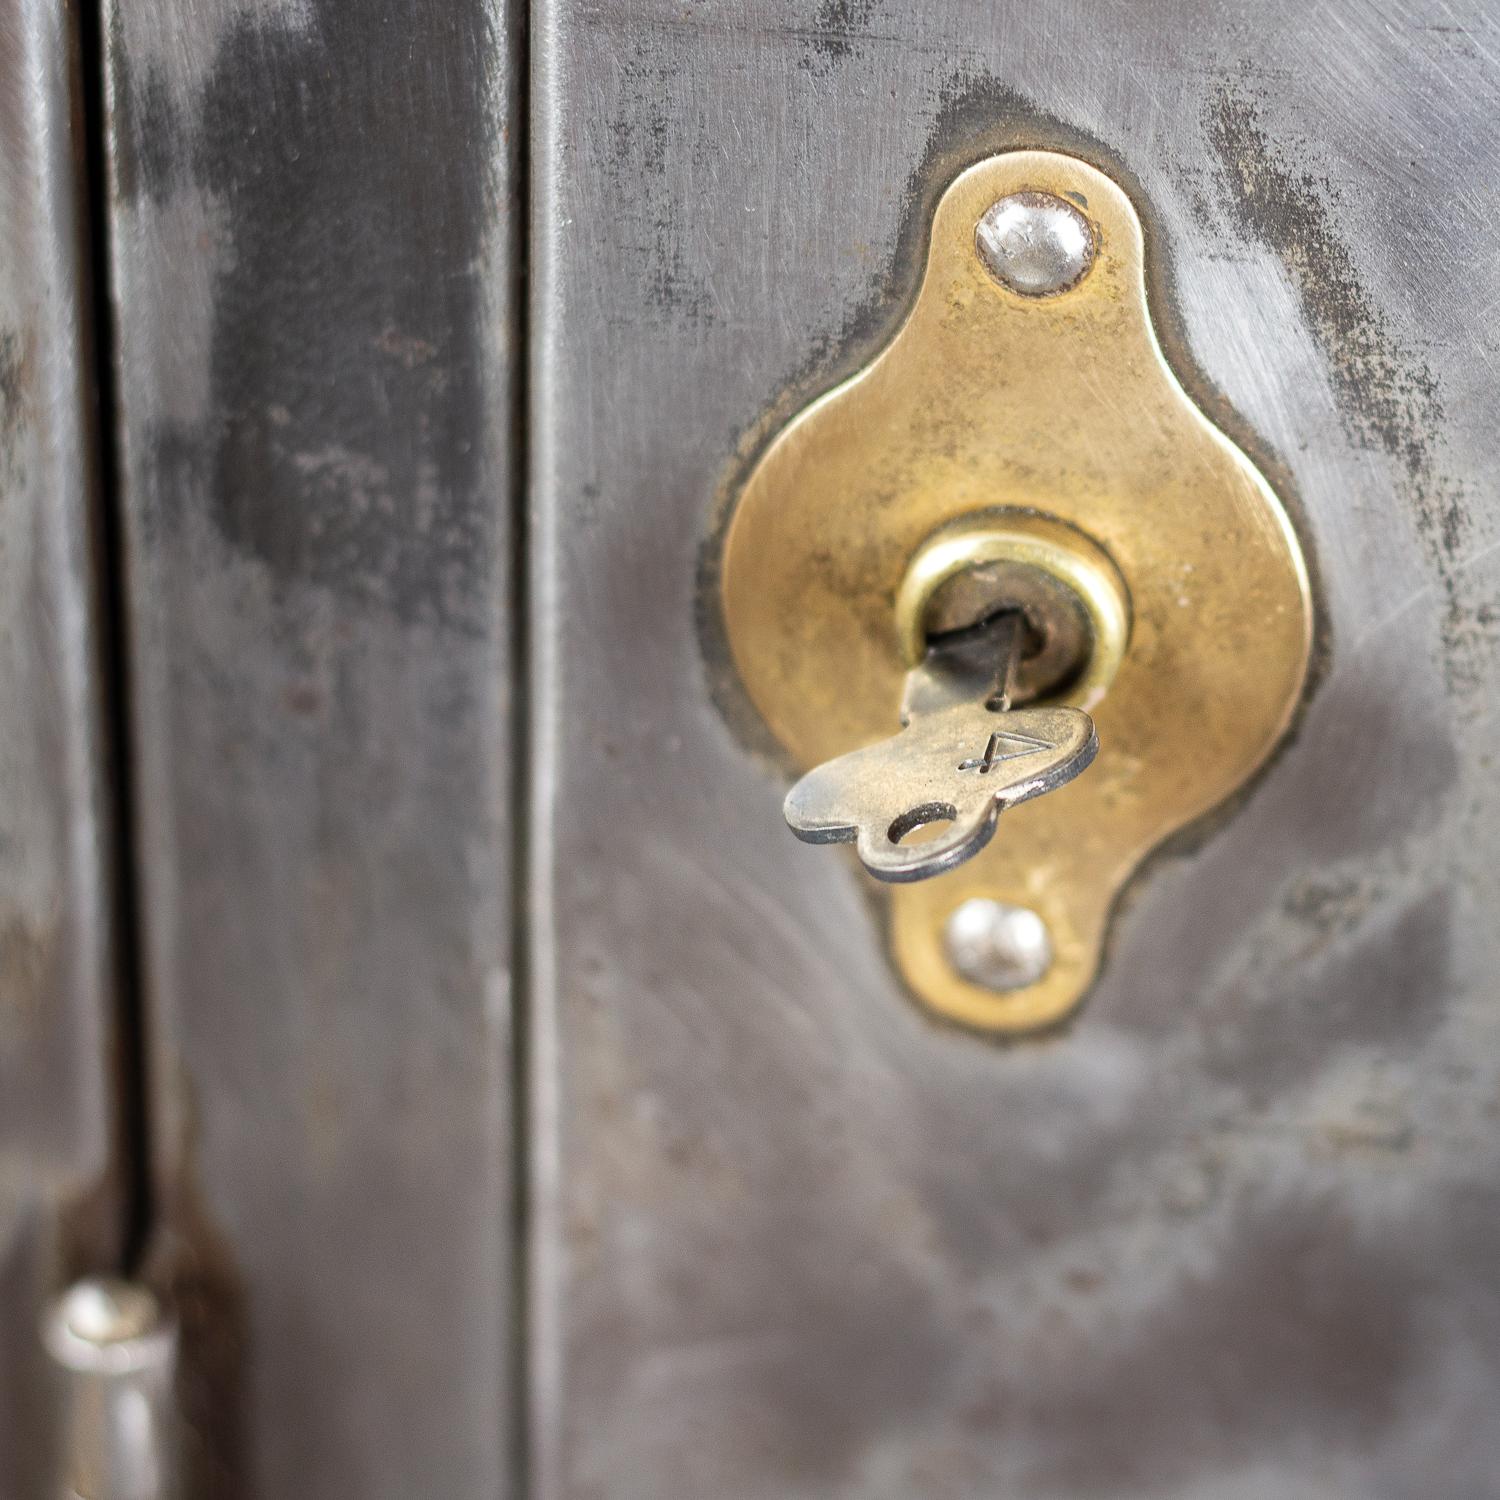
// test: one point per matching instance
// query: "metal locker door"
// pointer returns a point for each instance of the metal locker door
(403, 967)
(256, 771)
(313, 224)
(1230, 1234)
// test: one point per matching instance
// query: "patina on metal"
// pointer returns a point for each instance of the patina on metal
(792, 1241)
(317, 310)
(1061, 404)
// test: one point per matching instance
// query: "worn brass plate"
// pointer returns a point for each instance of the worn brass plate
(1065, 405)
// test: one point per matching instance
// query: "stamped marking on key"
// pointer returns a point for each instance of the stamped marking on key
(992, 756)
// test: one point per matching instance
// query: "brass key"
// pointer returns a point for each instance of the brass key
(962, 757)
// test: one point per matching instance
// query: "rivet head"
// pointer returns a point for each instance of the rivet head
(118, 1427)
(104, 1311)
(110, 1327)
(1035, 243)
(996, 946)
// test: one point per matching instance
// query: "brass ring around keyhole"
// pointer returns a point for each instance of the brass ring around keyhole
(1071, 592)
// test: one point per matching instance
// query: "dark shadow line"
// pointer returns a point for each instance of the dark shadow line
(517, 54)
(130, 1076)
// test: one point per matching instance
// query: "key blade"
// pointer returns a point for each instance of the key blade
(967, 666)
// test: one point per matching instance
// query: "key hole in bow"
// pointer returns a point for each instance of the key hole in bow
(920, 824)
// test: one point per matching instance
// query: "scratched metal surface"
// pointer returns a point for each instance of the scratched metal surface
(59, 1201)
(313, 221)
(1234, 1236)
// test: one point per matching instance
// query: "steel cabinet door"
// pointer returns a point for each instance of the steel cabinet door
(1230, 1234)
(312, 216)
(403, 964)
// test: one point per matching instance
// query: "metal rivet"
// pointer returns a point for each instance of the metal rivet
(102, 1311)
(997, 946)
(118, 1431)
(1035, 243)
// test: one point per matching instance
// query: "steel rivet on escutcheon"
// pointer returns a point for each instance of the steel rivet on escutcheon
(1036, 243)
(998, 946)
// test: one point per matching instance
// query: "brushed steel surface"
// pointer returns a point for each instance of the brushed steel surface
(1233, 1238)
(60, 1198)
(313, 224)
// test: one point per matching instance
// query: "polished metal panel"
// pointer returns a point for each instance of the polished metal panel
(1233, 1236)
(313, 220)
(60, 1199)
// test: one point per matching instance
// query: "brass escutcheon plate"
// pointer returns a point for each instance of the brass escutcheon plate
(988, 399)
